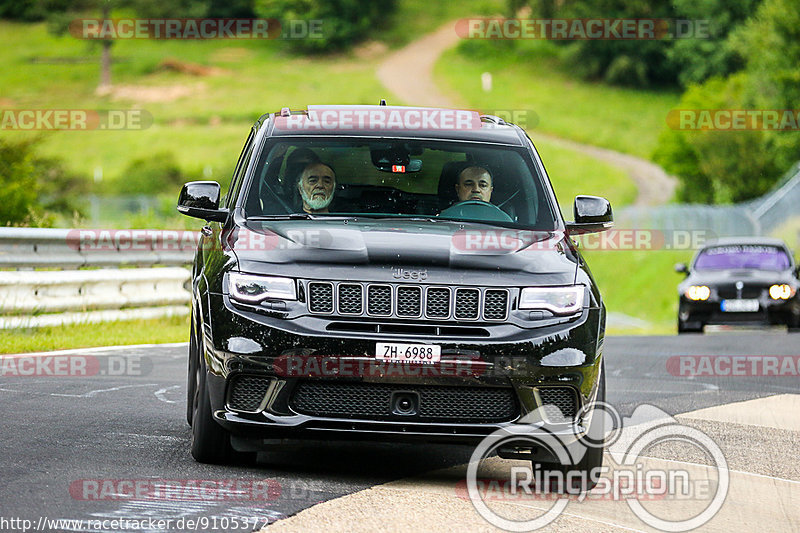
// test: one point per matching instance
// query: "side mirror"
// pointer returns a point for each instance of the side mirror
(200, 199)
(681, 268)
(592, 213)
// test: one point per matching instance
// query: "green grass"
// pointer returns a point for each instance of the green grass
(414, 18)
(173, 329)
(640, 283)
(573, 173)
(206, 126)
(626, 120)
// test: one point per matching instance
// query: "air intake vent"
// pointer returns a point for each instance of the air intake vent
(247, 392)
(560, 403)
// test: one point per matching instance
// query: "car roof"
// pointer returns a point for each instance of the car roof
(732, 241)
(355, 121)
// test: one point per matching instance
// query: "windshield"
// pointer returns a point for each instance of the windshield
(743, 256)
(379, 178)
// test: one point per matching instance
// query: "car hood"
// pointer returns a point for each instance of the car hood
(439, 243)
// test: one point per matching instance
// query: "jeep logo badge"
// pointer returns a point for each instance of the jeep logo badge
(402, 273)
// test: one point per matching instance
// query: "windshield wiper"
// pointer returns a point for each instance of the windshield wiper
(289, 216)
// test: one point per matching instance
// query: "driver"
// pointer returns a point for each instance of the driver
(317, 184)
(474, 183)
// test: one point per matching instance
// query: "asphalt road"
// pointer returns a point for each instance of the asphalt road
(69, 445)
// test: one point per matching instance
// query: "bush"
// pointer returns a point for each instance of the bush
(32, 188)
(344, 22)
(701, 59)
(19, 188)
(150, 176)
(732, 166)
(717, 166)
(622, 62)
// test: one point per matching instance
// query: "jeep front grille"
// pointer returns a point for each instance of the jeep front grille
(407, 301)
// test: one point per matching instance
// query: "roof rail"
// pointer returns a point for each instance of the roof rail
(493, 119)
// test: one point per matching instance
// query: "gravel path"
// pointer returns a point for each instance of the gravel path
(419, 89)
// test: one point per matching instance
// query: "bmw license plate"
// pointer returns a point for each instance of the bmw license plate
(739, 306)
(409, 353)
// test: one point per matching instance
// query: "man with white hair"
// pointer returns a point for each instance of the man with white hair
(317, 184)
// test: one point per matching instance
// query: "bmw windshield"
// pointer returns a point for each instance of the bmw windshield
(743, 257)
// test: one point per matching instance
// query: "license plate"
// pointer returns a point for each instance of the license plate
(409, 353)
(739, 306)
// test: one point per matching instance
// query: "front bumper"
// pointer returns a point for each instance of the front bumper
(238, 342)
(770, 312)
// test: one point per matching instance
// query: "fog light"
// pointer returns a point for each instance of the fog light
(781, 292)
(698, 292)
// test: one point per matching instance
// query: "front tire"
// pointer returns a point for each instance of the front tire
(683, 328)
(192, 377)
(211, 443)
(592, 459)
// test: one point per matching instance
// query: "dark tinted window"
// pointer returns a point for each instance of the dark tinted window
(399, 178)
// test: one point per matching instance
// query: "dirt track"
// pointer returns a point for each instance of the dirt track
(419, 89)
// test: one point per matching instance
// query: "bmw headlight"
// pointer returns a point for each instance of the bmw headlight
(559, 300)
(781, 292)
(698, 292)
(253, 289)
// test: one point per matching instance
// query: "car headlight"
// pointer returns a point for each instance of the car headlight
(781, 292)
(253, 289)
(698, 292)
(559, 300)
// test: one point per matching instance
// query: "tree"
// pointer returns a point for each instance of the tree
(61, 21)
(732, 166)
(344, 22)
(32, 187)
(701, 59)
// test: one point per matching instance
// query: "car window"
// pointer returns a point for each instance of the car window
(400, 178)
(758, 257)
(241, 168)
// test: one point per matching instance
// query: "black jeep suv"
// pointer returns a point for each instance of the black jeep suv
(389, 273)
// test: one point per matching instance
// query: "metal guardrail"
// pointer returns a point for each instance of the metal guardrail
(75, 248)
(761, 216)
(62, 276)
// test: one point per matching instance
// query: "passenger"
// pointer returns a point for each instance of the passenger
(474, 183)
(317, 184)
